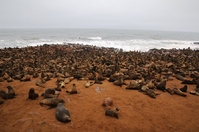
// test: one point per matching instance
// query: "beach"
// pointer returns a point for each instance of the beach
(138, 111)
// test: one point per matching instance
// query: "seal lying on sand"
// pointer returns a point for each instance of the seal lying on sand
(50, 93)
(32, 94)
(62, 113)
(113, 113)
(5, 95)
(73, 90)
(169, 90)
(52, 102)
(178, 92)
(151, 93)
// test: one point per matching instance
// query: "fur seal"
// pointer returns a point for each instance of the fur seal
(151, 93)
(169, 90)
(32, 94)
(26, 78)
(194, 93)
(184, 89)
(161, 85)
(50, 93)
(88, 84)
(40, 83)
(52, 102)
(4, 95)
(11, 90)
(151, 84)
(178, 92)
(134, 85)
(62, 84)
(112, 113)
(62, 113)
(73, 90)
(144, 88)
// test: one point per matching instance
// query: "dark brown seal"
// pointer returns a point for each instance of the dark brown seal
(113, 113)
(32, 94)
(5, 95)
(11, 90)
(161, 85)
(62, 113)
(50, 93)
(52, 102)
(184, 89)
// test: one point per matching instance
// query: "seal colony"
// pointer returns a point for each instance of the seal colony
(146, 72)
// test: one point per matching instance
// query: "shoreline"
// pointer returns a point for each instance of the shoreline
(138, 111)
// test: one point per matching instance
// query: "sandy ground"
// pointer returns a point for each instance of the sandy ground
(138, 112)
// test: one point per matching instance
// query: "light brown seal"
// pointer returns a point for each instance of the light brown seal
(73, 90)
(52, 102)
(151, 93)
(178, 92)
(62, 113)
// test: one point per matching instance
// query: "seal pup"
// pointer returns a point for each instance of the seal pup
(184, 89)
(178, 92)
(62, 113)
(73, 89)
(151, 93)
(5, 95)
(11, 90)
(52, 102)
(112, 113)
(62, 84)
(32, 94)
(88, 84)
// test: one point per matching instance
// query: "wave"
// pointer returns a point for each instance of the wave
(127, 45)
(94, 38)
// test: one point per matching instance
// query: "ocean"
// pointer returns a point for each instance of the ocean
(128, 40)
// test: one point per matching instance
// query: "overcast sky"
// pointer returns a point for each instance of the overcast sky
(172, 15)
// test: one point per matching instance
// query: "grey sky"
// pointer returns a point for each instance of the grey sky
(173, 15)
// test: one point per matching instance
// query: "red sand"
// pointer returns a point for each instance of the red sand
(138, 112)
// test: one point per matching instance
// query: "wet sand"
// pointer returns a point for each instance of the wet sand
(138, 112)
